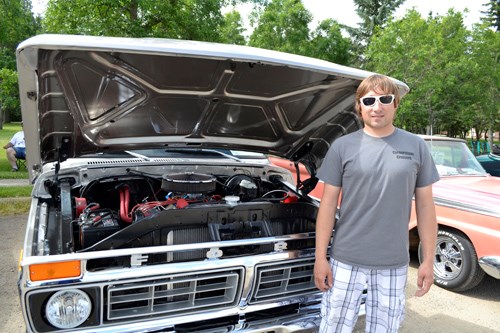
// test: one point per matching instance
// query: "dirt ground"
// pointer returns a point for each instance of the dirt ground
(477, 310)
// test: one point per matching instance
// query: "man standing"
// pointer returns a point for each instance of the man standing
(378, 169)
(16, 149)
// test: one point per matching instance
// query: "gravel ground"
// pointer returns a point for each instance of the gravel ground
(442, 311)
(14, 182)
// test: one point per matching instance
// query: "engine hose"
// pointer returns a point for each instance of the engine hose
(124, 201)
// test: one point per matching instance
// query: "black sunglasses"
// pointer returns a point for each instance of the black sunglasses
(370, 100)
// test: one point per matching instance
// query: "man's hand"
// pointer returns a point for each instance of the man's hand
(323, 277)
(425, 278)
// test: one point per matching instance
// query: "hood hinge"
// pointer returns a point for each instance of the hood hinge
(64, 149)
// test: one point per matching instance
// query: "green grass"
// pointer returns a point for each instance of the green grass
(9, 129)
(14, 206)
(15, 191)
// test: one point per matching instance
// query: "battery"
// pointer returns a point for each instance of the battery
(96, 226)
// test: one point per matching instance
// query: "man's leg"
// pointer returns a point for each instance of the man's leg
(340, 304)
(11, 157)
(385, 303)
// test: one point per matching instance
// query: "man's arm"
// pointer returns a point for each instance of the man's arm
(427, 231)
(10, 143)
(325, 222)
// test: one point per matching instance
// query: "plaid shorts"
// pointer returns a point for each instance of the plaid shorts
(385, 302)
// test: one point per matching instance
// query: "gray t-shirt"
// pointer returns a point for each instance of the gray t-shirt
(378, 177)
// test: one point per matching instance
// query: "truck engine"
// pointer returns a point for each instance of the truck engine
(137, 209)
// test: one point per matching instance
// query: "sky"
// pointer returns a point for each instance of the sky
(343, 10)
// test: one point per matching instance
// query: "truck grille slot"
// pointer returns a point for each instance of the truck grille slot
(284, 280)
(174, 294)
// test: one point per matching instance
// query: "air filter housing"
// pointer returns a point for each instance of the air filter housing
(188, 183)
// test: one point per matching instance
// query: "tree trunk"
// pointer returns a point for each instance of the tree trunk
(490, 137)
(1, 117)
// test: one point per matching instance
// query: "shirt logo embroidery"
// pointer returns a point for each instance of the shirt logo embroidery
(403, 155)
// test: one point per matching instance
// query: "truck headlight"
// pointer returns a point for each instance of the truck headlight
(68, 308)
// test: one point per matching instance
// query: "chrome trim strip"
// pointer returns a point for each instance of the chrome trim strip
(494, 212)
(164, 249)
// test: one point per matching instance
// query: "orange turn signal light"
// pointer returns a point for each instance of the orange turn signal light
(55, 270)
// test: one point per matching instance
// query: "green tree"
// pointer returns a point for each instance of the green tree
(432, 57)
(374, 15)
(232, 30)
(484, 75)
(492, 13)
(328, 43)
(9, 96)
(16, 24)
(282, 25)
(180, 19)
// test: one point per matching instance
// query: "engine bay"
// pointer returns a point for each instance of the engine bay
(137, 209)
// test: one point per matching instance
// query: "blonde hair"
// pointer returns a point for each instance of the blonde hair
(380, 84)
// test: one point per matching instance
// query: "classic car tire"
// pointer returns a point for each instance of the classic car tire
(456, 266)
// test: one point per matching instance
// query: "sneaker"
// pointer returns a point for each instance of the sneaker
(14, 170)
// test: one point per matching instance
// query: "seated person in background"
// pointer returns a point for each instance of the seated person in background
(16, 149)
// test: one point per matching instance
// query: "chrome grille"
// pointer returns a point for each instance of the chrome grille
(174, 294)
(292, 278)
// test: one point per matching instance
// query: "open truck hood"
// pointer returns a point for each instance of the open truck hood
(84, 94)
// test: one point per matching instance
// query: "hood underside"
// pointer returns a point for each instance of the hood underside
(82, 94)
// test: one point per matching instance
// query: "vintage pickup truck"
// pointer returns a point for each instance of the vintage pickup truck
(154, 207)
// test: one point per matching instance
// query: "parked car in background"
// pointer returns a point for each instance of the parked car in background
(468, 213)
(491, 161)
(154, 208)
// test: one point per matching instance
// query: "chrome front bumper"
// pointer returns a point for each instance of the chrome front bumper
(491, 265)
(306, 320)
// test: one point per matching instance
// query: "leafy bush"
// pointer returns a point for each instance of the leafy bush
(9, 95)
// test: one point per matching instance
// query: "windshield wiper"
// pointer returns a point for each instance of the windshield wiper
(143, 157)
(221, 153)
(204, 151)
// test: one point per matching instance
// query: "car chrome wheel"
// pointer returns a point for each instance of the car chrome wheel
(456, 265)
(449, 262)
